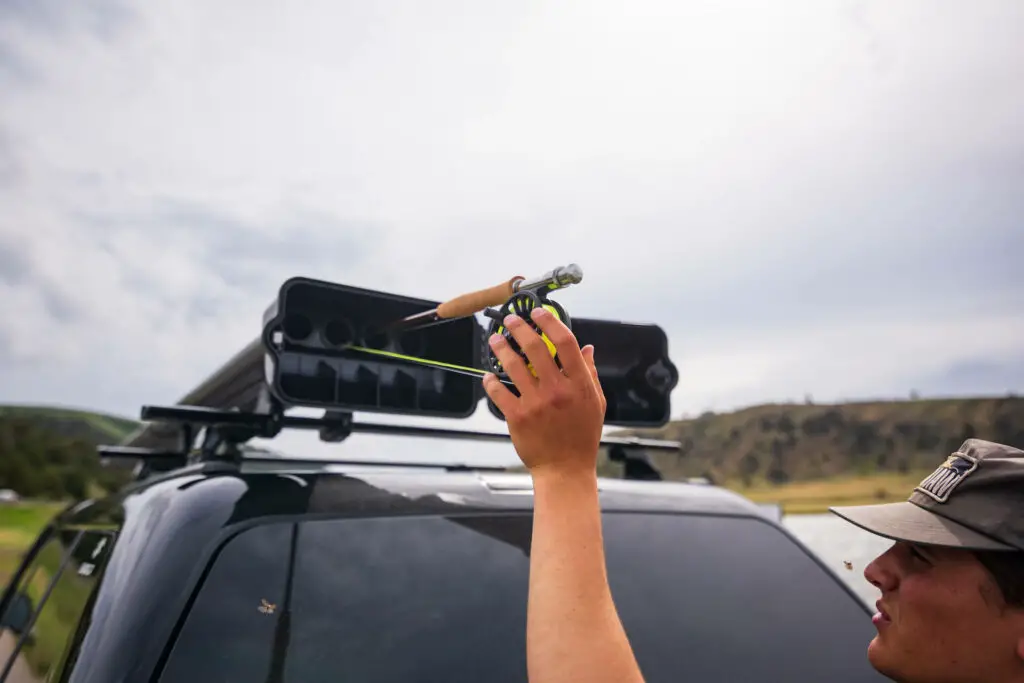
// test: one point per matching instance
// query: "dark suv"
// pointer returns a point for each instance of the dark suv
(270, 571)
(223, 562)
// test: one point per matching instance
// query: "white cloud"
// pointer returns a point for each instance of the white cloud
(815, 198)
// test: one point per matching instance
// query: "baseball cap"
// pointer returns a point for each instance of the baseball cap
(974, 500)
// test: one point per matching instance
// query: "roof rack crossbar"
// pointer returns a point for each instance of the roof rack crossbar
(148, 460)
(135, 453)
(317, 462)
(240, 426)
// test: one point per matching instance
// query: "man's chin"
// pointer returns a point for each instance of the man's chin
(879, 657)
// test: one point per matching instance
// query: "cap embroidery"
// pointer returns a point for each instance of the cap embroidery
(941, 483)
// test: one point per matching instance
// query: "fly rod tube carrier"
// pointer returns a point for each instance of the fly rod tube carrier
(301, 360)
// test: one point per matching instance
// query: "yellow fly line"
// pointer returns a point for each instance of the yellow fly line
(420, 361)
(516, 296)
(453, 367)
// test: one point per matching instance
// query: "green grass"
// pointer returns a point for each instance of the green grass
(9, 560)
(20, 523)
(29, 516)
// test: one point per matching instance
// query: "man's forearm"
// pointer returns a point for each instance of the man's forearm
(573, 629)
(574, 632)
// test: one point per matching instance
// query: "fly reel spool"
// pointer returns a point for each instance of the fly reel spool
(521, 304)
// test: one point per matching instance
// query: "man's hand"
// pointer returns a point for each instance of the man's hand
(573, 630)
(556, 421)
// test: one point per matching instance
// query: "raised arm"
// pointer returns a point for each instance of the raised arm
(573, 630)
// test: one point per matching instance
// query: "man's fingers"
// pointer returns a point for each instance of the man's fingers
(534, 347)
(588, 357)
(513, 364)
(564, 340)
(504, 399)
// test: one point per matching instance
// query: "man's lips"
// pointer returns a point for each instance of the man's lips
(881, 617)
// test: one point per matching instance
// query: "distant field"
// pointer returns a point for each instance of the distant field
(816, 496)
(20, 523)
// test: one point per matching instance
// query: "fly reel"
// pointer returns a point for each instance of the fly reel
(521, 304)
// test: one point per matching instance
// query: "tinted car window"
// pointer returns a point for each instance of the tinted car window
(444, 599)
(59, 583)
(731, 599)
(27, 663)
(232, 627)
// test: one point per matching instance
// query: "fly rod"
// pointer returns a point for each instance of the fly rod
(518, 295)
(471, 303)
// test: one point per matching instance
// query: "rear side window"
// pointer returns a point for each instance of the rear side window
(444, 599)
(54, 593)
(232, 629)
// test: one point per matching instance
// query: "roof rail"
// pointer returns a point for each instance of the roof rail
(345, 349)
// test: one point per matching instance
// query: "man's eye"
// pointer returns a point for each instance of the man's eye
(917, 555)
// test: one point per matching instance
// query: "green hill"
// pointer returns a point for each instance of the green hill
(95, 428)
(50, 452)
(770, 450)
(804, 454)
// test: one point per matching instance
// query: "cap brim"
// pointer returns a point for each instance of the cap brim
(905, 521)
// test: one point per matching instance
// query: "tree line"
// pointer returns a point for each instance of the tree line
(38, 462)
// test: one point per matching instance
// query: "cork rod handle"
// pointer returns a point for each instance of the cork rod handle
(468, 304)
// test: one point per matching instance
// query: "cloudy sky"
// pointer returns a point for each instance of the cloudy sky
(811, 197)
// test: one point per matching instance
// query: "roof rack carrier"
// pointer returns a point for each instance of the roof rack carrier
(346, 349)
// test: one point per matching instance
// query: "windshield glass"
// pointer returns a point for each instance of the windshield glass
(444, 599)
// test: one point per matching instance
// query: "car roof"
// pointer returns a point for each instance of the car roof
(484, 489)
(273, 487)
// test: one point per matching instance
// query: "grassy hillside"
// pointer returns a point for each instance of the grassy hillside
(94, 428)
(870, 450)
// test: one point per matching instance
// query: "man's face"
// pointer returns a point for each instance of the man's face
(942, 618)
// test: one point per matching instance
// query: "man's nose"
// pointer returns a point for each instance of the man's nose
(881, 572)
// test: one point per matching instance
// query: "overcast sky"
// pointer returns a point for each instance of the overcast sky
(811, 197)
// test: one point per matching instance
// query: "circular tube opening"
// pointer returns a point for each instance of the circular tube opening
(297, 327)
(377, 340)
(337, 333)
(411, 344)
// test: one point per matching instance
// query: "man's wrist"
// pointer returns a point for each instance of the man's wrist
(563, 477)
